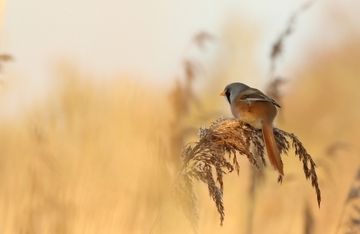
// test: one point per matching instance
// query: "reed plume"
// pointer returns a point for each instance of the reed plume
(216, 153)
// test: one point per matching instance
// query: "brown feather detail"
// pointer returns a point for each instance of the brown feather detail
(257, 94)
(271, 148)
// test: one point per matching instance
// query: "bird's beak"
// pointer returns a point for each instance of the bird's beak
(223, 93)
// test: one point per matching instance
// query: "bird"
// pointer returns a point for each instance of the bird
(253, 107)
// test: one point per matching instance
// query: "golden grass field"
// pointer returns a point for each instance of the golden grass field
(102, 157)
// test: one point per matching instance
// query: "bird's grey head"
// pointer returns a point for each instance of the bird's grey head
(232, 90)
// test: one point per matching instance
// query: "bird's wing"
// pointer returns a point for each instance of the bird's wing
(256, 95)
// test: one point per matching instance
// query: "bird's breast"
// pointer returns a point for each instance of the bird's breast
(253, 112)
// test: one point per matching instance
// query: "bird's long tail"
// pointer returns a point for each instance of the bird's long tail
(271, 148)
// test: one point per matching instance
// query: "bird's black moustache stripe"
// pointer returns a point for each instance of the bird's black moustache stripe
(227, 93)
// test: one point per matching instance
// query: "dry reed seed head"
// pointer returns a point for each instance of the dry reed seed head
(201, 38)
(6, 57)
(282, 144)
(310, 173)
(187, 199)
(231, 137)
(273, 89)
(278, 47)
(352, 207)
(354, 192)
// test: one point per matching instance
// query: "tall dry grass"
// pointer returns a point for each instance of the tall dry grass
(325, 93)
(90, 159)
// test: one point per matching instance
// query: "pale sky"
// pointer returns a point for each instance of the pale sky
(138, 37)
(135, 36)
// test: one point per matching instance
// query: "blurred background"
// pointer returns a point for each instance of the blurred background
(98, 98)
